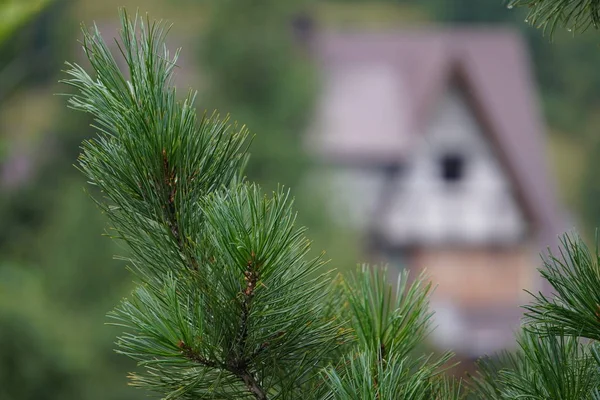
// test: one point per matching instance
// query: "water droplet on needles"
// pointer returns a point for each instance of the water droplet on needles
(526, 21)
(509, 6)
(569, 29)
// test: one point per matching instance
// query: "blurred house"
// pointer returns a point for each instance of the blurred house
(435, 149)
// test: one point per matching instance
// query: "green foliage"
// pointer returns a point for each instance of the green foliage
(56, 279)
(545, 367)
(386, 318)
(388, 326)
(228, 304)
(261, 311)
(553, 362)
(367, 376)
(575, 15)
(170, 189)
(575, 278)
(260, 74)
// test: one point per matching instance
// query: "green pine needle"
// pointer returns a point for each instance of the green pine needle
(544, 367)
(575, 15)
(574, 307)
(228, 303)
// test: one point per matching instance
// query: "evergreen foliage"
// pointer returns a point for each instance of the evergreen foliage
(544, 367)
(262, 75)
(575, 277)
(56, 279)
(575, 15)
(228, 304)
(388, 324)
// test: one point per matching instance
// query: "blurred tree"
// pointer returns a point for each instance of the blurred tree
(31, 366)
(55, 281)
(16, 13)
(27, 43)
(260, 71)
(260, 74)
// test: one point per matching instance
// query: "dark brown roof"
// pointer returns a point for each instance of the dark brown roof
(494, 66)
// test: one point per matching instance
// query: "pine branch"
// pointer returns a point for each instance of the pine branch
(388, 326)
(383, 317)
(251, 278)
(239, 369)
(152, 160)
(191, 355)
(575, 15)
(252, 385)
(240, 366)
(575, 307)
(228, 305)
(545, 367)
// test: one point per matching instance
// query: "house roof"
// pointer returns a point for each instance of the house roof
(417, 67)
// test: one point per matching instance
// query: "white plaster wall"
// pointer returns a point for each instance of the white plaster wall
(479, 209)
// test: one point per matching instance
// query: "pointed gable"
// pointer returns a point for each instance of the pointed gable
(494, 68)
(454, 188)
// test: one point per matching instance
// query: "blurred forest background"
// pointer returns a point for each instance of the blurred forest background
(57, 275)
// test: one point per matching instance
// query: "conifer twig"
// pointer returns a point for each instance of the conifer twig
(223, 269)
(574, 15)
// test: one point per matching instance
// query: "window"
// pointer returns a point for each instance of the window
(452, 167)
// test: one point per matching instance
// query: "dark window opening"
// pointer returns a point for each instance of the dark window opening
(452, 167)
